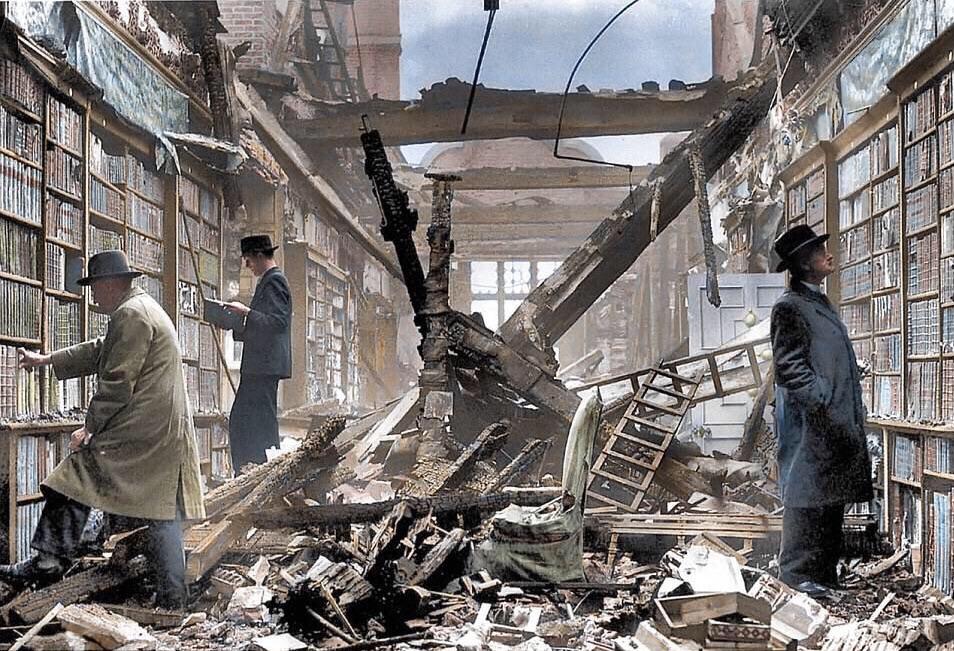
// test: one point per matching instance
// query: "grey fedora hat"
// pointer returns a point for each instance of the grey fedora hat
(108, 264)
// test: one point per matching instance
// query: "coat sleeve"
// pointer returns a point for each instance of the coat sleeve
(272, 313)
(124, 352)
(77, 361)
(791, 350)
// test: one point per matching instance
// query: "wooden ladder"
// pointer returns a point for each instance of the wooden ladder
(628, 462)
(332, 67)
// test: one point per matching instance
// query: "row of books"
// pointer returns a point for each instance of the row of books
(887, 355)
(920, 115)
(940, 525)
(945, 137)
(856, 317)
(55, 267)
(105, 200)
(18, 84)
(63, 323)
(947, 330)
(947, 390)
(815, 183)
(64, 172)
(886, 270)
(21, 187)
(64, 125)
(190, 373)
(103, 239)
(886, 401)
(151, 285)
(853, 210)
(25, 139)
(144, 252)
(187, 267)
(221, 464)
(924, 337)
(111, 167)
(886, 230)
(907, 457)
(815, 211)
(97, 323)
(854, 171)
(947, 280)
(208, 353)
(64, 396)
(854, 244)
(209, 267)
(920, 161)
(923, 263)
(64, 220)
(19, 390)
(203, 443)
(18, 249)
(36, 457)
(855, 280)
(28, 516)
(20, 309)
(201, 234)
(885, 194)
(947, 234)
(945, 92)
(939, 454)
(144, 216)
(946, 182)
(199, 200)
(884, 151)
(189, 338)
(189, 300)
(797, 201)
(144, 180)
(208, 391)
(886, 312)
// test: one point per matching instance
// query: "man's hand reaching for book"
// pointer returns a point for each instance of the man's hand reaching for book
(235, 307)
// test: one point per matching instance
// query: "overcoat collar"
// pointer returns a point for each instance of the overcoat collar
(821, 303)
(132, 293)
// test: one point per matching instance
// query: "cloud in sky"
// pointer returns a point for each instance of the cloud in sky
(535, 43)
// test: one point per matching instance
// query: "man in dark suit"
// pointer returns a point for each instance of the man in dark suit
(266, 355)
(819, 417)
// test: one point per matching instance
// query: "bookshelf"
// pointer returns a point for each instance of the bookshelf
(74, 183)
(323, 333)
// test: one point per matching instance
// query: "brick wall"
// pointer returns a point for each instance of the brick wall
(379, 32)
(251, 20)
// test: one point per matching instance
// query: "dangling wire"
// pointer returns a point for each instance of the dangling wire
(480, 61)
(566, 92)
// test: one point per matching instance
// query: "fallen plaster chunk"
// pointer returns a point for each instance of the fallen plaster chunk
(706, 570)
(652, 640)
(248, 604)
(282, 642)
(795, 616)
(109, 630)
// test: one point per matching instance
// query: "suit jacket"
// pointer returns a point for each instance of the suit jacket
(142, 459)
(267, 330)
(819, 415)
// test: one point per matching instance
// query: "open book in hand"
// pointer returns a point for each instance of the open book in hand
(217, 314)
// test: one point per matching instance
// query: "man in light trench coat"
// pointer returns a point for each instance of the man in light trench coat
(136, 455)
(823, 455)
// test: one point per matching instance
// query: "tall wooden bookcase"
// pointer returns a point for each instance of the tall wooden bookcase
(894, 218)
(73, 182)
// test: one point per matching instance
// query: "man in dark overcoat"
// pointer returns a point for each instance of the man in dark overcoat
(135, 458)
(819, 416)
(266, 355)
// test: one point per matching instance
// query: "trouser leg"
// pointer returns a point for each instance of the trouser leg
(253, 422)
(833, 518)
(802, 552)
(60, 529)
(168, 559)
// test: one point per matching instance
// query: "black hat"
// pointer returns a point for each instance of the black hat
(108, 264)
(793, 240)
(257, 244)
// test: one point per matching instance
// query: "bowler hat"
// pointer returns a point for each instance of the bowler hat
(257, 244)
(794, 240)
(108, 264)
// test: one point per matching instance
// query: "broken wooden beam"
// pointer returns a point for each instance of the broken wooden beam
(522, 465)
(333, 514)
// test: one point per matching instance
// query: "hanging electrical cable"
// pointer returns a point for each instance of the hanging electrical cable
(566, 92)
(492, 6)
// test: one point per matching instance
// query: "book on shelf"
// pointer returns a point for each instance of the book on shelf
(216, 313)
(924, 336)
(18, 249)
(886, 312)
(55, 267)
(189, 298)
(111, 167)
(855, 281)
(923, 263)
(208, 353)
(25, 139)
(920, 161)
(97, 323)
(886, 269)
(945, 137)
(856, 317)
(885, 194)
(886, 230)
(815, 183)
(151, 285)
(854, 244)
(20, 189)
(106, 201)
(854, 171)
(884, 151)
(64, 125)
(64, 221)
(17, 84)
(144, 180)
(144, 216)
(947, 391)
(20, 309)
(887, 396)
(64, 171)
(144, 252)
(189, 338)
(208, 390)
(103, 239)
(19, 389)
(887, 354)
(922, 390)
(221, 464)
(191, 375)
(919, 115)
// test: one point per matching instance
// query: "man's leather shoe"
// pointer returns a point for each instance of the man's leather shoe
(37, 570)
(812, 589)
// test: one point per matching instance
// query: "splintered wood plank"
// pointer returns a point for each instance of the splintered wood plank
(210, 550)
